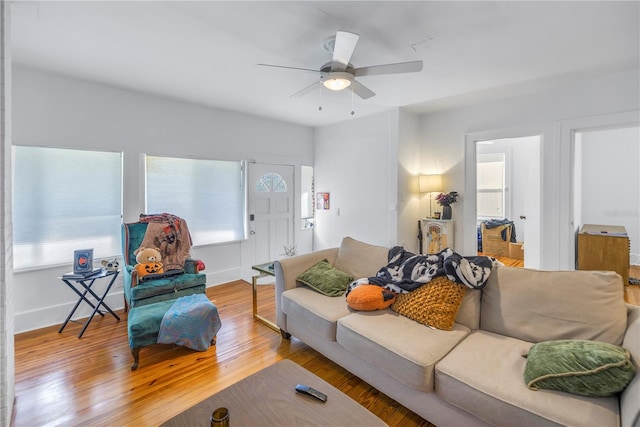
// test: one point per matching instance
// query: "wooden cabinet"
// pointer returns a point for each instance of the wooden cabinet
(604, 247)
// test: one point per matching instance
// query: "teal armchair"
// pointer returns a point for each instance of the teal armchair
(138, 292)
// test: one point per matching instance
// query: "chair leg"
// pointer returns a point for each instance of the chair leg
(136, 358)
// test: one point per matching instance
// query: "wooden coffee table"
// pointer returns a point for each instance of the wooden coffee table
(268, 398)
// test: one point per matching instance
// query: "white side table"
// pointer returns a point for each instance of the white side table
(437, 234)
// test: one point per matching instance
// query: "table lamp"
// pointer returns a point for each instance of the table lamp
(430, 184)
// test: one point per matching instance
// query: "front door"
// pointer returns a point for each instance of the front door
(271, 196)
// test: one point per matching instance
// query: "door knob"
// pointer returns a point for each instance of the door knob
(252, 232)
(523, 217)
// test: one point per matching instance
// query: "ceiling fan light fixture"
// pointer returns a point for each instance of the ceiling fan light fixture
(337, 81)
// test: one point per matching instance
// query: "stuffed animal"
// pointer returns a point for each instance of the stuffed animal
(369, 298)
(111, 265)
(149, 261)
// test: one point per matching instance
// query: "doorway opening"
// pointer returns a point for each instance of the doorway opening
(508, 195)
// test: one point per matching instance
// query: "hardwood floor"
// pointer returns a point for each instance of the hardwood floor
(66, 381)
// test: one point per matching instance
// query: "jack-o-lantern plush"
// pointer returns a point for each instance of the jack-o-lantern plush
(149, 261)
(367, 297)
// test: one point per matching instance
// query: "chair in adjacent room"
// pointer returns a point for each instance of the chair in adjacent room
(170, 235)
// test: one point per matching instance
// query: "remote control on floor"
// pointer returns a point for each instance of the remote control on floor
(305, 389)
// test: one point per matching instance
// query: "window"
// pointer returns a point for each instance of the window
(64, 200)
(208, 194)
(271, 182)
(306, 197)
(490, 183)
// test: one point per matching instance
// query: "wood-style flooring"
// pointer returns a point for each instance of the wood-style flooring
(65, 381)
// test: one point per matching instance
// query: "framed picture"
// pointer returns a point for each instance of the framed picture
(322, 201)
(83, 261)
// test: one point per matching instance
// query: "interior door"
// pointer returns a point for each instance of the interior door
(271, 196)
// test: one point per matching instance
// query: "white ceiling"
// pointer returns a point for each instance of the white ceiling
(206, 52)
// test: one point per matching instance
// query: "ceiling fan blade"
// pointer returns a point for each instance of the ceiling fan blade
(361, 90)
(289, 68)
(343, 48)
(400, 67)
(304, 90)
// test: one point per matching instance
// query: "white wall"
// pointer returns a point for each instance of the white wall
(610, 181)
(7, 351)
(55, 111)
(444, 133)
(357, 163)
(408, 187)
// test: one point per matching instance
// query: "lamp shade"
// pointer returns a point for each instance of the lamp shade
(430, 183)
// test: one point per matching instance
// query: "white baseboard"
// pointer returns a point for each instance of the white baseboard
(56, 314)
(223, 276)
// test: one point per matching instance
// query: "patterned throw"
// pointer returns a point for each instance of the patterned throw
(192, 322)
(406, 271)
(170, 235)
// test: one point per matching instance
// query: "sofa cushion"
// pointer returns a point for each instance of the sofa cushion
(469, 312)
(537, 306)
(167, 286)
(401, 347)
(483, 375)
(588, 368)
(434, 304)
(326, 279)
(316, 311)
(360, 259)
(629, 408)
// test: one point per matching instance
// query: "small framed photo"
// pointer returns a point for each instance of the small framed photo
(322, 201)
(83, 261)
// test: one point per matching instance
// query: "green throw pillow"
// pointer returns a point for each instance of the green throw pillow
(326, 279)
(587, 368)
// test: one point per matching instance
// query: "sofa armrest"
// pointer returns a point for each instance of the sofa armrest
(629, 402)
(287, 269)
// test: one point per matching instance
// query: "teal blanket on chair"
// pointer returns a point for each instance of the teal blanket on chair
(192, 321)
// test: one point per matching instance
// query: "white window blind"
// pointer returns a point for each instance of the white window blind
(65, 200)
(208, 194)
(306, 197)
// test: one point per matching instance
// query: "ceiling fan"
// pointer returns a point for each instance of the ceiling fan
(339, 74)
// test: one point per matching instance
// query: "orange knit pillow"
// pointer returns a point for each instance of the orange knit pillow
(434, 304)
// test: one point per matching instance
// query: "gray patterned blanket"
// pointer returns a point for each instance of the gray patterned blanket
(406, 271)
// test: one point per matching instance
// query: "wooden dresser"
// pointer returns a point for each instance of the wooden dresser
(604, 247)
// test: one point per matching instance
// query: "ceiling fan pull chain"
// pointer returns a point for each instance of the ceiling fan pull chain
(320, 107)
(352, 108)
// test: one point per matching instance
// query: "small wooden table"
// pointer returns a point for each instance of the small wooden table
(264, 270)
(268, 398)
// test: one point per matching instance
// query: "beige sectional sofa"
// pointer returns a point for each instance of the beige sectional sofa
(473, 374)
